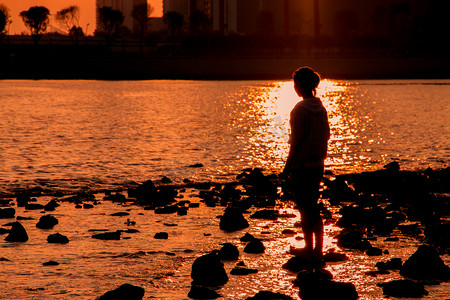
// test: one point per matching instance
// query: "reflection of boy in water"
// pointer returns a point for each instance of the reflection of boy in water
(310, 133)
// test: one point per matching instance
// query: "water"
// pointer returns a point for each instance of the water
(72, 135)
(92, 135)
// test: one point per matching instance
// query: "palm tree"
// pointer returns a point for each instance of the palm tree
(141, 14)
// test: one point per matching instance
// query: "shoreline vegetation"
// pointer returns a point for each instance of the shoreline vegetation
(123, 61)
(372, 205)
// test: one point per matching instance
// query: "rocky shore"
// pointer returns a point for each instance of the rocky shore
(367, 207)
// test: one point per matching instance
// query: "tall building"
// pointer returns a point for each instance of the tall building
(125, 6)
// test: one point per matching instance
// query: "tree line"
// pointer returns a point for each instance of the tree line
(394, 27)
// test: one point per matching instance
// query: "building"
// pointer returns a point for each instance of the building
(125, 6)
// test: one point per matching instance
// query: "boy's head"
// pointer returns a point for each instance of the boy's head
(306, 81)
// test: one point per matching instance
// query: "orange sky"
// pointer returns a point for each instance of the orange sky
(87, 11)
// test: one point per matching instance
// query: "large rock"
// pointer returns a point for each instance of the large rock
(424, 264)
(201, 292)
(268, 295)
(17, 233)
(57, 238)
(6, 213)
(208, 270)
(228, 252)
(255, 246)
(47, 222)
(232, 220)
(107, 235)
(316, 286)
(404, 288)
(125, 291)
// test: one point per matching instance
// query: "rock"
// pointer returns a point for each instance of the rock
(268, 295)
(117, 197)
(374, 251)
(4, 259)
(125, 291)
(17, 233)
(34, 206)
(143, 193)
(425, 264)
(57, 238)
(47, 222)
(404, 288)
(4, 230)
(232, 220)
(107, 235)
(7, 213)
(289, 232)
(299, 263)
(208, 270)
(88, 205)
(315, 288)
(166, 179)
(247, 237)
(120, 214)
(255, 246)
(392, 264)
(200, 292)
(161, 236)
(168, 209)
(348, 237)
(197, 165)
(51, 205)
(228, 252)
(266, 214)
(22, 200)
(305, 277)
(51, 263)
(242, 271)
(332, 256)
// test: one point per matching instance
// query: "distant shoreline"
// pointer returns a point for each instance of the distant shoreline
(217, 68)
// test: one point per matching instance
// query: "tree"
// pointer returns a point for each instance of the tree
(36, 19)
(141, 14)
(4, 20)
(110, 21)
(175, 22)
(69, 18)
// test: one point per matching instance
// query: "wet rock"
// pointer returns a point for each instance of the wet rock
(268, 295)
(47, 222)
(197, 165)
(208, 270)
(242, 271)
(57, 238)
(22, 200)
(6, 213)
(201, 292)
(166, 179)
(332, 256)
(392, 264)
(439, 234)
(51, 205)
(247, 237)
(348, 237)
(34, 206)
(404, 288)
(313, 289)
(228, 252)
(3, 230)
(107, 235)
(169, 209)
(88, 205)
(117, 197)
(305, 277)
(299, 263)
(182, 211)
(51, 263)
(410, 229)
(374, 251)
(17, 233)
(341, 191)
(161, 236)
(120, 214)
(4, 259)
(255, 246)
(425, 264)
(266, 214)
(363, 245)
(143, 193)
(125, 291)
(232, 220)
